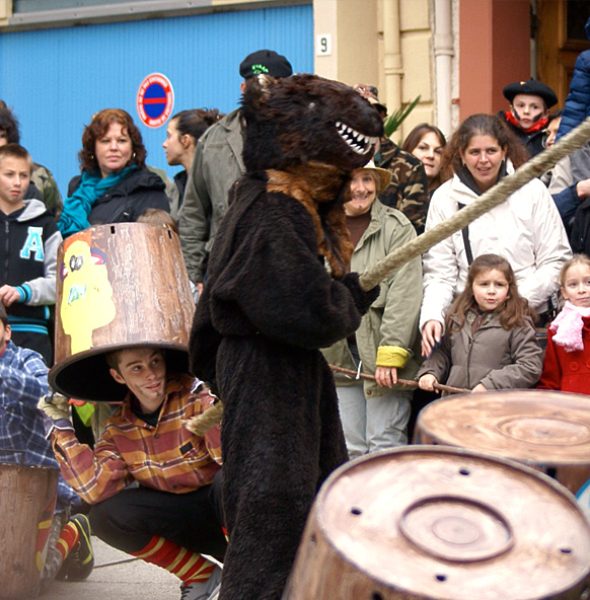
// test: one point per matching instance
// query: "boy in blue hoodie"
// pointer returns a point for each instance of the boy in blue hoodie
(27, 256)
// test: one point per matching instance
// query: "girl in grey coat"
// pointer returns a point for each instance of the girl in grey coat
(490, 341)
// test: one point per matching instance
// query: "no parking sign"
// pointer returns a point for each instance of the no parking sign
(155, 100)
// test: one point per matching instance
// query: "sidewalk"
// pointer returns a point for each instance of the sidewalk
(124, 580)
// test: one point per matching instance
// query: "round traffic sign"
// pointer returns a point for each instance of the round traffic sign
(155, 100)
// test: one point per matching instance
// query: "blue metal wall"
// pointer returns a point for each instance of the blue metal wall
(56, 79)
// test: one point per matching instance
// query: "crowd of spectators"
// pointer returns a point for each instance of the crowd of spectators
(490, 284)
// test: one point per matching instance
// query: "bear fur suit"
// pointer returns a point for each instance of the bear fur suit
(277, 290)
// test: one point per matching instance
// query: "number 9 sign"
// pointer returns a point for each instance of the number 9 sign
(324, 44)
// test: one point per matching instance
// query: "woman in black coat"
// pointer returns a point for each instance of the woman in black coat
(115, 185)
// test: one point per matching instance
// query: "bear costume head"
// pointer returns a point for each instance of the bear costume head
(305, 118)
(305, 135)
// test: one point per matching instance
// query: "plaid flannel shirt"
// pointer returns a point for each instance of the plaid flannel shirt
(166, 457)
(23, 380)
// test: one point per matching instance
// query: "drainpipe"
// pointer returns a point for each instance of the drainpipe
(534, 37)
(392, 55)
(443, 56)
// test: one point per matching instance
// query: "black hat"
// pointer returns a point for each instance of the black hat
(371, 93)
(85, 376)
(533, 87)
(265, 62)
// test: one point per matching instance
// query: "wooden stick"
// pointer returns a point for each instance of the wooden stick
(493, 197)
(200, 424)
(406, 382)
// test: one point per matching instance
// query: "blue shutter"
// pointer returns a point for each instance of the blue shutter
(56, 79)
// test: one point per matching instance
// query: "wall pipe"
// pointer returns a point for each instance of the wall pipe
(443, 58)
(392, 55)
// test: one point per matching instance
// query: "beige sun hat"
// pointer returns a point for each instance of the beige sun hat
(383, 175)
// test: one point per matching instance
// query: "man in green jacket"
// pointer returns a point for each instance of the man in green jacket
(216, 167)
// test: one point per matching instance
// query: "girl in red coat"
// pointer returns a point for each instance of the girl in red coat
(567, 358)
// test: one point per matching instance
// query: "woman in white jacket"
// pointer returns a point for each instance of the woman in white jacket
(526, 229)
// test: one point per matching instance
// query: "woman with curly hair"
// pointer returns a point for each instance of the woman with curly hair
(115, 185)
(526, 228)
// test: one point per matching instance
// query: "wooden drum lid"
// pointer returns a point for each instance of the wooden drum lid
(28, 501)
(428, 522)
(118, 286)
(544, 429)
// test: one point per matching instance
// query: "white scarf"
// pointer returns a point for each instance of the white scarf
(568, 325)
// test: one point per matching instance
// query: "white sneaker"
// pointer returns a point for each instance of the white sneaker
(206, 590)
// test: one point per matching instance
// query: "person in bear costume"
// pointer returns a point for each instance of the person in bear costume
(278, 290)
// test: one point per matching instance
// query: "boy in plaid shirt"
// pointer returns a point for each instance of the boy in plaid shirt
(23, 380)
(149, 479)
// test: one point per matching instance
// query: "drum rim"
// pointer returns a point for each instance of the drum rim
(525, 396)
(566, 497)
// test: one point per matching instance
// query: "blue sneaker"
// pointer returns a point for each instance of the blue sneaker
(206, 590)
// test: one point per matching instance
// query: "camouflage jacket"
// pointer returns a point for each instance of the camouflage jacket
(44, 188)
(408, 190)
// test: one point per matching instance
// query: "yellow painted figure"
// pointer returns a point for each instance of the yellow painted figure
(87, 295)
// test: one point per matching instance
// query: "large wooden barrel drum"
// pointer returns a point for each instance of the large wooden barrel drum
(120, 285)
(431, 522)
(28, 501)
(546, 430)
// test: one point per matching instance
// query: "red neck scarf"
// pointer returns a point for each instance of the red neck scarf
(537, 126)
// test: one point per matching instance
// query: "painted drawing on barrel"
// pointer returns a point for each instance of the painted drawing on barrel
(87, 295)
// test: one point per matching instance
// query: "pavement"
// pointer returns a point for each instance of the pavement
(117, 576)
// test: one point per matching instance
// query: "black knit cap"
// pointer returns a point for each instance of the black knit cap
(532, 86)
(265, 62)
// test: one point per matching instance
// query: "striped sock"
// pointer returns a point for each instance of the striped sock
(68, 538)
(188, 566)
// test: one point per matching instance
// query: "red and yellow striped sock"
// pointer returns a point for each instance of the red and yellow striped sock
(68, 538)
(188, 566)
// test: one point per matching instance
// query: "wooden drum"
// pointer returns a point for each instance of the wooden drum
(546, 430)
(428, 522)
(118, 286)
(28, 496)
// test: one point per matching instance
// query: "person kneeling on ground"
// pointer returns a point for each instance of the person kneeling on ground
(23, 380)
(171, 515)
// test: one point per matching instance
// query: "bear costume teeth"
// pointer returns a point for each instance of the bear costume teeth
(356, 141)
(305, 118)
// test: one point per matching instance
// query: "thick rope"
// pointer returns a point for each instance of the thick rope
(493, 197)
(200, 424)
